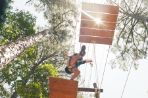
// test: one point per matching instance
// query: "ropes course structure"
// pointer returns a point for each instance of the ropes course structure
(98, 22)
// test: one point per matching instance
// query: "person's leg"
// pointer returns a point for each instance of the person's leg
(76, 72)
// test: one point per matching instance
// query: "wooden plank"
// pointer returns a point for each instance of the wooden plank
(101, 16)
(100, 8)
(96, 32)
(102, 25)
(95, 40)
(62, 88)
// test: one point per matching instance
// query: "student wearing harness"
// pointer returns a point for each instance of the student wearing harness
(74, 62)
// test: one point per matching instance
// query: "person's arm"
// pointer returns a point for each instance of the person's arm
(88, 61)
(84, 61)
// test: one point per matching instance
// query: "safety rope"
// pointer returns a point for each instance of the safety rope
(88, 49)
(96, 65)
(105, 67)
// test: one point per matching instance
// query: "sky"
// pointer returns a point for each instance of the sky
(21, 5)
(113, 79)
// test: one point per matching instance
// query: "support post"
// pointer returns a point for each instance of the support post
(95, 89)
(97, 93)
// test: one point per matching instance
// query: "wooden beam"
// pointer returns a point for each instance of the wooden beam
(95, 40)
(90, 89)
(100, 8)
(95, 89)
(101, 16)
(96, 32)
(102, 25)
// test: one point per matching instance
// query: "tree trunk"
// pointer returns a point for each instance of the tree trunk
(10, 51)
(14, 95)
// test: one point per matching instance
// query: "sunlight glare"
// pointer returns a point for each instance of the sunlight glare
(98, 21)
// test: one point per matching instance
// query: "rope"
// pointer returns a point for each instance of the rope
(86, 64)
(90, 76)
(91, 72)
(95, 62)
(104, 67)
(126, 81)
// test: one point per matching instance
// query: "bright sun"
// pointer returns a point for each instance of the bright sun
(98, 21)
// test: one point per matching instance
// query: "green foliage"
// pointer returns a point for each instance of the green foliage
(4, 5)
(61, 16)
(62, 19)
(32, 68)
(18, 24)
(131, 39)
(3, 92)
(42, 74)
(20, 75)
(46, 70)
(32, 90)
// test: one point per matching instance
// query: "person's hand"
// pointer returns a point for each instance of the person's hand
(88, 61)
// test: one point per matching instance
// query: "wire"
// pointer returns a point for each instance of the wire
(95, 62)
(104, 67)
(126, 81)
(87, 63)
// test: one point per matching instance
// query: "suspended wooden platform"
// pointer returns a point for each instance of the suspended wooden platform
(101, 32)
(63, 88)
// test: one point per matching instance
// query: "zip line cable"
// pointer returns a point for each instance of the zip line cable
(126, 81)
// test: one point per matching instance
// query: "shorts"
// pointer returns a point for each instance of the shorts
(79, 62)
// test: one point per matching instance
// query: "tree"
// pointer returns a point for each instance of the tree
(12, 50)
(28, 68)
(13, 30)
(25, 73)
(60, 27)
(131, 44)
(4, 5)
(32, 63)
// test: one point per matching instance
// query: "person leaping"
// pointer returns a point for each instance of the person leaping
(75, 61)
